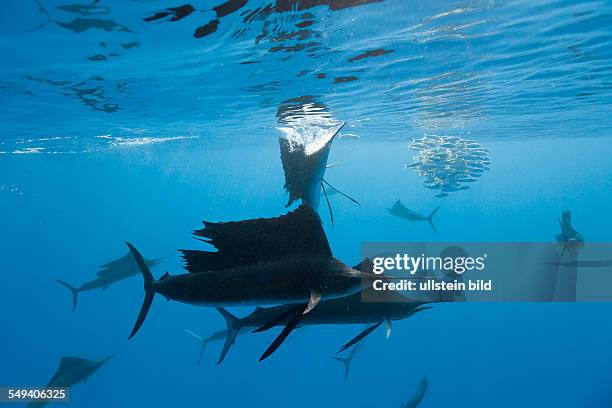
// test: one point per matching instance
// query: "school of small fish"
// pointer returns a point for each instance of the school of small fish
(448, 163)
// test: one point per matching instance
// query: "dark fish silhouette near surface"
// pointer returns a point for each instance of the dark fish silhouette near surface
(71, 371)
(305, 172)
(285, 259)
(399, 210)
(418, 395)
(108, 274)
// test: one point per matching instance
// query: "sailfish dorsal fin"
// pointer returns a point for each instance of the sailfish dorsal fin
(66, 363)
(244, 242)
(110, 268)
(300, 168)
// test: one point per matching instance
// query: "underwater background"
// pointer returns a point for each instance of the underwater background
(136, 120)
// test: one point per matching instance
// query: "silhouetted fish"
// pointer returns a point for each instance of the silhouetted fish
(71, 371)
(344, 310)
(399, 210)
(291, 5)
(172, 13)
(286, 259)
(108, 274)
(418, 395)
(567, 274)
(304, 171)
(346, 361)
(568, 234)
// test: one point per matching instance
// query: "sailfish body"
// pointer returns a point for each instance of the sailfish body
(418, 395)
(401, 211)
(285, 259)
(283, 280)
(349, 309)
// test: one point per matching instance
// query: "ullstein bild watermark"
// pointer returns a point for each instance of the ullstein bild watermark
(487, 272)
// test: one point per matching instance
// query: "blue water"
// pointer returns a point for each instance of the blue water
(115, 128)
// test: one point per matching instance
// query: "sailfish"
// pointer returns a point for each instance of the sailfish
(385, 306)
(71, 371)
(418, 395)
(345, 310)
(399, 210)
(109, 273)
(304, 168)
(284, 259)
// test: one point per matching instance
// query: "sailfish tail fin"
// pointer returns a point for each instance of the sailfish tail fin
(202, 342)
(233, 329)
(430, 219)
(347, 364)
(72, 289)
(148, 287)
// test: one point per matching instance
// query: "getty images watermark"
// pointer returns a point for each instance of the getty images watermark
(544, 272)
(449, 263)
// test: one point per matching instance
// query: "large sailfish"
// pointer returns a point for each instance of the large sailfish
(285, 259)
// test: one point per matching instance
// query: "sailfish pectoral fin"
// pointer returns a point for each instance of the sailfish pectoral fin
(229, 340)
(359, 337)
(315, 298)
(388, 325)
(280, 318)
(280, 339)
